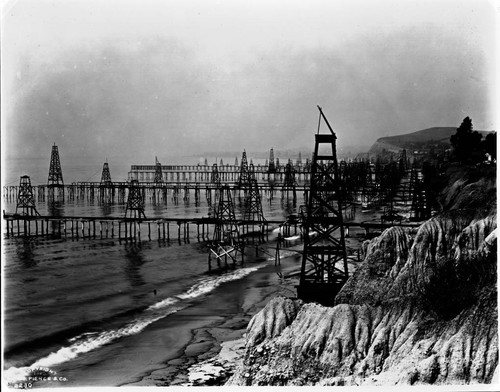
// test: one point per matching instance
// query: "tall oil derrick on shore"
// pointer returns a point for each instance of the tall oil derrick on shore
(420, 209)
(253, 209)
(289, 183)
(324, 259)
(135, 202)
(25, 199)
(55, 183)
(226, 240)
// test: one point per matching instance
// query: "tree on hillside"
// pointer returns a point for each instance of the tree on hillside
(466, 143)
(490, 145)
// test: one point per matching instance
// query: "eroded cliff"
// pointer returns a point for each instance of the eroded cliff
(422, 309)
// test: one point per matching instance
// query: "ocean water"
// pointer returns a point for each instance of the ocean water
(73, 305)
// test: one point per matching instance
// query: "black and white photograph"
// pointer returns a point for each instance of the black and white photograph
(207, 193)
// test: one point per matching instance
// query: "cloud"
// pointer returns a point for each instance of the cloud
(149, 97)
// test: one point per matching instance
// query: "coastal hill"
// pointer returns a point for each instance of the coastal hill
(436, 137)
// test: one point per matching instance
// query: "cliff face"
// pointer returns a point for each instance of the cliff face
(422, 309)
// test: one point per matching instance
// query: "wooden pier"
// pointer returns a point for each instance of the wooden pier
(162, 229)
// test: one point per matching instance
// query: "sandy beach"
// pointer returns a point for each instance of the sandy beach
(209, 341)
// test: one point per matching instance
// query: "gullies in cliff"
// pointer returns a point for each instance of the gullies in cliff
(422, 309)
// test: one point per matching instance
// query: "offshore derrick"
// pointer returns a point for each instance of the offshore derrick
(271, 168)
(158, 181)
(289, 183)
(106, 185)
(55, 183)
(25, 199)
(226, 239)
(106, 176)
(253, 209)
(244, 179)
(135, 202)
(324, 259)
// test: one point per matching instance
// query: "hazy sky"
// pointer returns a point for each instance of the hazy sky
(144, 78)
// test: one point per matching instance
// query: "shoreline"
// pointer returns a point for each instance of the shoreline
(212, 350)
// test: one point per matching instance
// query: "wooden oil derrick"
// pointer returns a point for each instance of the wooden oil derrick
(25, 199)
(158, 178)
(159, 191)
(106, 189)
(289, 183)
(135, 202)
(253, 210)
(420, 209)
(244, 179)
(215, 177)
(106, 176)
(324, 260)
(55, 182)
(226, 239)
(272, 166)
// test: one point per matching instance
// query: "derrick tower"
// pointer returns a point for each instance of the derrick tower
(55, 180)
(253, 206)
(215, 177)
(420, 209)
(226, 241)
(244, 179)
(289, 183)
(25, 199)
(106, 176)
(135, 202)
(324, 259)
(158, 179)
(272, 166)
(106, 187)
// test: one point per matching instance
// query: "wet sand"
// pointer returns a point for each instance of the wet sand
(219, 319)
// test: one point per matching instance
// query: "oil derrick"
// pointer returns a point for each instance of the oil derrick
(25, 199)
(158, 184)
(106, 176)
(135, 202)
(272, 166)
(215, 177)
(253, 208)
(324, 259)
(158, 179)
(403, 161)
(226, 241)
(244, 179)
(289, 183)
(413, 180)
(420, 207)
(106, 186)
(55, 180)
(299, 160)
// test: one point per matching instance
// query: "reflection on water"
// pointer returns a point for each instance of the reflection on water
(55, 207)
(25, 252)
(132, 268)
